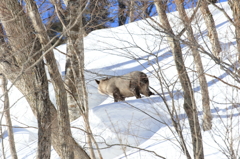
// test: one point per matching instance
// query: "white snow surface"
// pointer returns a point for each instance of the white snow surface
(143, 124)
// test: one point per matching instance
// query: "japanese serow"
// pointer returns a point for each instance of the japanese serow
(128, 85)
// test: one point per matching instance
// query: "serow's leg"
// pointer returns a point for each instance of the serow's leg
(135, 90)
(117, 96)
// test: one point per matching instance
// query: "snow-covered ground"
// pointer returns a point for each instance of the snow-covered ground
(142, 128)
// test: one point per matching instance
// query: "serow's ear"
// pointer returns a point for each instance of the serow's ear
(97, 81)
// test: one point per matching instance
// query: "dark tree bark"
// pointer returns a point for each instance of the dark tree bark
(43, 112)
(189, 101)
(122, 12)
(147, 8)
(212, 32)
(235, 6)
(131, 11)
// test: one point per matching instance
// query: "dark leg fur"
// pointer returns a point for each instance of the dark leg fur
(117, 96)
(135, 89)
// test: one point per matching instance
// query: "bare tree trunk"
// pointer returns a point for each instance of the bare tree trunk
(76, 52)
(235, 6)
(189, 101)
(66, 152)
(73, 33)
(43, 112)
(26, 87)
(57, 82)
(8, 118)
(72, 97)
(2, 41)
(122, 13)
(212, 32)
(207, 117)
(131, 11)
(17, 29)
(73, 103)
(25, 68)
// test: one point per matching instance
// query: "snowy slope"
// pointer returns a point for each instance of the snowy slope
(145, 123)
